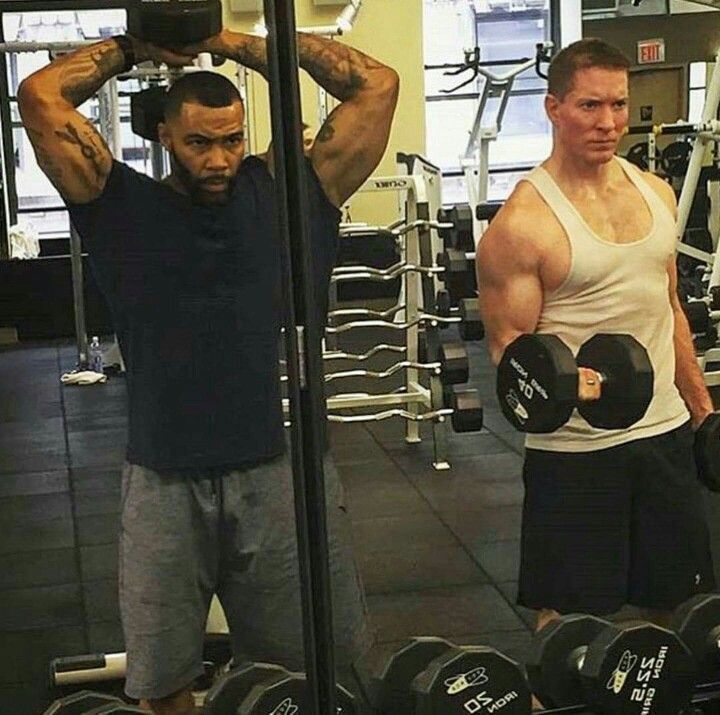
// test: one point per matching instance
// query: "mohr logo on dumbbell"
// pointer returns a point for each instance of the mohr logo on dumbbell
(458, 683)
(620, 674)
(286, 707)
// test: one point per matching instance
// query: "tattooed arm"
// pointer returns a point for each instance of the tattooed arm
(68, 148)
(352, 141)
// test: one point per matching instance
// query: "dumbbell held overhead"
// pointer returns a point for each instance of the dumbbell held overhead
(540, 383)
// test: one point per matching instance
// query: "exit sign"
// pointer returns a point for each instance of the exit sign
(650, 51)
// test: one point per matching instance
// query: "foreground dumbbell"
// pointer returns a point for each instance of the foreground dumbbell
(471, 679)
(387, 677)
(537, 382)
(697, 622)
(261, 688)
(707, 452)
(624, 669)
(86, 701)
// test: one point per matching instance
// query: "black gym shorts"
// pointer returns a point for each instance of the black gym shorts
(616, 526)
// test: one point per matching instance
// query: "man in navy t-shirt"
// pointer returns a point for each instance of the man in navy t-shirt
(191, 269)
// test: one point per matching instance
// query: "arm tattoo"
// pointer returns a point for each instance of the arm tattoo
(45, 160)
(339, 69)
(81, 73)
(87, 145)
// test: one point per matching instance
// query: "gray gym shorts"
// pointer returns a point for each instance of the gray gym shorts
(183, 539)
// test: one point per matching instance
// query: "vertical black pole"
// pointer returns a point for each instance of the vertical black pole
(10, 186)
(305, 369)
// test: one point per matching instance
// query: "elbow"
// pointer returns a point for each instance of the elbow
(387, 83)
(30, 95)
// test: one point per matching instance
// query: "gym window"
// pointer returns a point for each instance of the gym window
(37, 200)
(503, 30)
(697, 81)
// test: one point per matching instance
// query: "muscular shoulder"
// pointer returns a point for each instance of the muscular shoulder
(523, 228)
(661, 188)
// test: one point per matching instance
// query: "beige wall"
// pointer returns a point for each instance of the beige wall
(389, 30)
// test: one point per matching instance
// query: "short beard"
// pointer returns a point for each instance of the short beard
(194, 187)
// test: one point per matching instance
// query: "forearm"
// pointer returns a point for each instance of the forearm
(688, 375)
(78, 75)
(341, 70)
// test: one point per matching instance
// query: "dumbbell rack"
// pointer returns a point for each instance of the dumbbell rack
(416, 235)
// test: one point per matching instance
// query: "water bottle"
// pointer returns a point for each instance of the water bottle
(95, 355)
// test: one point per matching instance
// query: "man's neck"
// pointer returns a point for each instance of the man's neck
(571, 171)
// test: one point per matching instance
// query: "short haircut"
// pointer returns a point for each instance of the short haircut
(207, 88)
(590, 52)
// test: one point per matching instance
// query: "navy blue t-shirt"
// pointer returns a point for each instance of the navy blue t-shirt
(195, 292)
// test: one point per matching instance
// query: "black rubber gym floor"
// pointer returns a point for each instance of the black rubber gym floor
(438, 550)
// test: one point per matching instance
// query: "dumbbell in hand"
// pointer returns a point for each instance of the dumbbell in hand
(630, 668)
(707, 452)
(540, 383)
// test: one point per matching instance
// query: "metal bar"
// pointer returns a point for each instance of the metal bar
(10, 197)
(76, 268)
(692, 174)
(307, 409)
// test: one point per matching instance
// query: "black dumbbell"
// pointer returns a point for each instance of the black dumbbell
(443, 304)
(697, 313)
(288, 695)
(81, 702)
(471, 327)
(459, 274)
(259, 688)
(147, 109)
(460, 236)
(174, 23)
(697, 622)
(472, 679)
(614, 668)
(537, 382)
(116, 709)
(467, 408)
(707, 452)
(455, 364)
(387, 677)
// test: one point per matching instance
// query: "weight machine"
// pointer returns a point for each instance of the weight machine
(475, 161)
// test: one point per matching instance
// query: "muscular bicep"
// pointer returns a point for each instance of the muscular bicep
(68, 148)
(510, 292)
(351, 143)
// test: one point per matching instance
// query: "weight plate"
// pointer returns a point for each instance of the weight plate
(537, 383)
(638, 154)
(675, 158)
(552, 663)
(697, 622)
(628, 390)
(638, 669)
(472, 679)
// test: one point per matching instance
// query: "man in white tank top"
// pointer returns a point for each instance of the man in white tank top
(586, 244)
